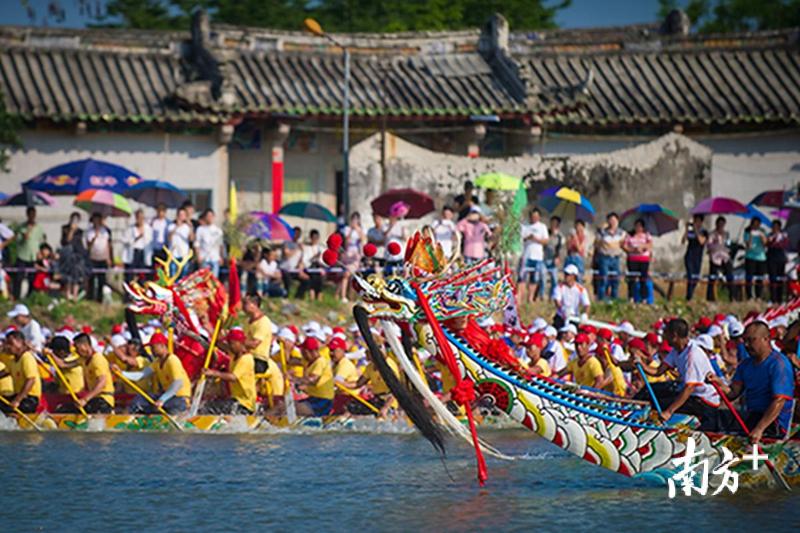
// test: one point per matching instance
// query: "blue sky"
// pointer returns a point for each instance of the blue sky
(581, 14)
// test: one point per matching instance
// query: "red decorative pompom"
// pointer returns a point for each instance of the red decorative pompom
(329, 257)
(393, 248)
(370, 249)
(334, 242)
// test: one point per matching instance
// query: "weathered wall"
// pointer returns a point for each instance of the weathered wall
(672, 170)
(187, 161)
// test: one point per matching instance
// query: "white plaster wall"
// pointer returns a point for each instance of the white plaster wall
(187, 161)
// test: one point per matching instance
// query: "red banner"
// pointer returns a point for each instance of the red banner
(277, 179)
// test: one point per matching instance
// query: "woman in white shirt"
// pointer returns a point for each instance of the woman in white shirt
(180, 234)
(311, 268)
(208, 243)
(138, 251)
(445, 231)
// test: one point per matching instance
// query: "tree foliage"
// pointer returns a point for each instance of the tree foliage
(721, 16)
(334, 15)
(9, 134)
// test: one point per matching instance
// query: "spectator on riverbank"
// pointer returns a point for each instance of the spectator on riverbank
(609, 252)
(101, 255)
(694, 237)
(137, 251)
(755, 258)
(208, 243)
(73, 258)
(29, 237)
(720, 265)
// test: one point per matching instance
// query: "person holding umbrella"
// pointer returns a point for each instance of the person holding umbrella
(98, 242)
(719, 260)
(755, 258)
(694, 236)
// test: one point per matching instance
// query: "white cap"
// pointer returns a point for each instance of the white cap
(311, 327)
(327, 331)
(714, 331)
(353, 328)
(475, 209)
(626, 327)
(569, 328)
(486, 321)
(781, 321)
(118, 340)
(705, 342)
(275, 327)
(19, 309)
(538, 324)
(735, 328)
(339, 335)
(550, 331)
(286, 333)
(571, 270)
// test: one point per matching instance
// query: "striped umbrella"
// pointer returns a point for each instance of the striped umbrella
(269, 227)
(567, 203)
(658, 220)
(103, 201)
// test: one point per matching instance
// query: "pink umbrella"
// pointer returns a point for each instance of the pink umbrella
(719, 205)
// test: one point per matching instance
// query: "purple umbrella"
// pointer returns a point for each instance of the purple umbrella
(270, 227)
(780, 213)
(719, 205)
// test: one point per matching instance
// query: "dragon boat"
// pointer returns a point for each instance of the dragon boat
(438, 302)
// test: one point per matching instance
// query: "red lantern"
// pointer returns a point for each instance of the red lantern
(334, 241)
(394, 248)
(329, 257)
(370, 250)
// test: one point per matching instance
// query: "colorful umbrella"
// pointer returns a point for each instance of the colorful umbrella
(78, 176)
(498, 181)
(783, 214)
(772, 198)
(308, 210)
(752, 212)
(419, 203)
(270, 227)
(657, 220)
(155, 192)
(28, 198)
(105, 202)
(719, 205)
(566, 203)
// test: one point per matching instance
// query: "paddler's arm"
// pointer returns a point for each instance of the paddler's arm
(767, 418)
(4, 374)
(60, 363)
(26, 389)
(98, 388)
(363, 380)
(731, 392)
(679, 401)
(387, 404)
(655, 372)
(134, 375)
(173, 389)
(349, 384)
(224, 376)
(311, 379)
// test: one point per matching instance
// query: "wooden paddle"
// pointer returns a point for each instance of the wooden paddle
(291, 411)
(147, 397)
(358, 398)
(19, 413)
(66, 384)
(770, 465)
(201, 383)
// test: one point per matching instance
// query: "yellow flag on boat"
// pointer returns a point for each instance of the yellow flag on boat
(233, 204)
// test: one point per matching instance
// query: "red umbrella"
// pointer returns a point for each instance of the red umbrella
(719, 205)
(419, 203)
(772, 198)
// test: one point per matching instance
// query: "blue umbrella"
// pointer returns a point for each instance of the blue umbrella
(77, 176)
(752, 212)
(154, 192)
(657, 220)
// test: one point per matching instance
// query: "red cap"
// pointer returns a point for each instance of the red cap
(235, 335)
(703, 323)
(586, 328)
(336, 344)
(86, 329)
(116, 329)
(636, 344)
(338, 329)
(536, 339)
(582, 338)
(310, 344)
(652, 338)
(719, 318)
(499, 328)
(158, 338)
(294, 329)
(605, 333)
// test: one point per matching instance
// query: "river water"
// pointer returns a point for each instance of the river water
(339, 481)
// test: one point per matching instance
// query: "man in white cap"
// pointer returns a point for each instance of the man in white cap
(571, 298)
(553, 350)
(29, 327)
(538, 325)
(738, 354)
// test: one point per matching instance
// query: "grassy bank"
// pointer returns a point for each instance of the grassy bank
(55, 313)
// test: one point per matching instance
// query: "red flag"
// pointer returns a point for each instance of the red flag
(234, 289)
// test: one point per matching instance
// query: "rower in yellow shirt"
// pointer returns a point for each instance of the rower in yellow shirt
(125, 355)
(7, 382)
(317, 381)
(171, 384)
(25, 374)
(59, 350)
(241, 377)
(382, 395)
(98, 396)
(291, 353)
(258, 331)
(585, 369)
(344, 371)
(533, 349)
